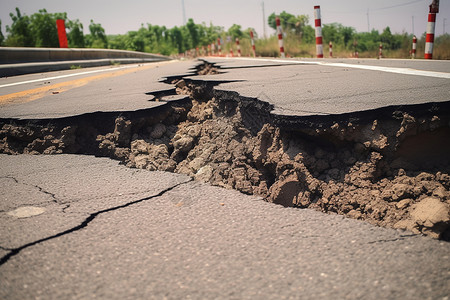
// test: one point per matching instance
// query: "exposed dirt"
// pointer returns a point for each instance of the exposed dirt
(390, 167)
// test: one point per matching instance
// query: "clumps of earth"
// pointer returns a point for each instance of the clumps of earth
(377, 171)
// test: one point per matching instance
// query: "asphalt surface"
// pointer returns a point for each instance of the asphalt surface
(295, 87)
(79, 227)
(305, 88)
(109, 232)
(75, 92)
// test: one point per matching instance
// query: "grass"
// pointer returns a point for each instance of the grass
(295, 48)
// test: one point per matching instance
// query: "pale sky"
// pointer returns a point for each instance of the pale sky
(118, 17)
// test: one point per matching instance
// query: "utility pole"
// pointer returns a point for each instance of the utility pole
(184, 12)
(368, 23)
(264, 19)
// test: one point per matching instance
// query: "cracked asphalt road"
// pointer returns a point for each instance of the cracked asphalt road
(96, 229)
(111, 232)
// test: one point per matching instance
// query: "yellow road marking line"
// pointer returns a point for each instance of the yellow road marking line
(58, 88)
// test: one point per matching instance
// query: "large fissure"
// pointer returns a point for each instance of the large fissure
(389, 166)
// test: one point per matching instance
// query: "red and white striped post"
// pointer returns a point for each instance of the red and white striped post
(62, 36)
(318, 24)
(220, 48)
(253, 43)
(380, 53)
(434, 8)
(280, 37)
(238, 47)
(330, 45)
(414, 47)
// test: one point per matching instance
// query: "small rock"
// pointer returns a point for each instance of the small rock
(285, 192)
(180, 84)
(184, 144)
(440, 192)
(406, 224)
(433, 215)
(158, 131)
(141, 161)
(354, 214)
(403, 203)
(401, 172)
(196, 164)
(139, 146)
(424, 176)
(204, 173)
(400, 191)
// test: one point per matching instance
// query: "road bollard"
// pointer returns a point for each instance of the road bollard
(238, 47)
(380, 53)
(414, 47)
(434, 8)
(330, 45)
(253, 43)
(219, 47)
(62, 36)
(318, 25)
(280, 37)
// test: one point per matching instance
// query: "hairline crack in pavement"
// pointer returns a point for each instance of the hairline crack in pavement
(353, 164)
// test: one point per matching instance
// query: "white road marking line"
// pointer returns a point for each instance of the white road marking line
(64, 76)
(404, 71)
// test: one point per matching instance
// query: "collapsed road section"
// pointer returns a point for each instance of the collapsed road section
(388, 166)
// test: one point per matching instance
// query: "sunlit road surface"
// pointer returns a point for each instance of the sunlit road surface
(294, 87)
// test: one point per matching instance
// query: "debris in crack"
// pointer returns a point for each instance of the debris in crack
(207, 68)
(389, 167)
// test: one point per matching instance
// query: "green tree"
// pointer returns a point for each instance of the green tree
(289, 22)
(176, 39)
(309, 34)
(347, 34)
(75, 36)
(97, 37)
(43, 28)
(193, 33)
(386, 38)
(235, 31)
(330, 33)
(19, 33)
